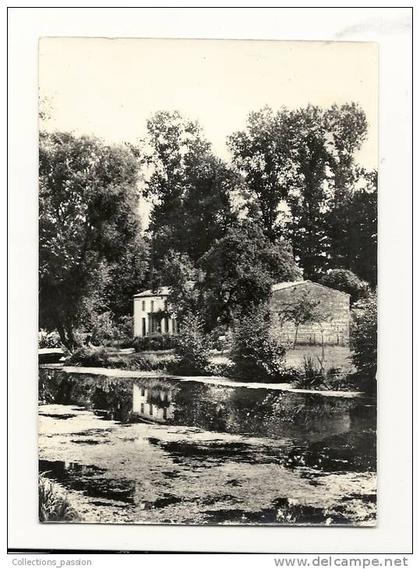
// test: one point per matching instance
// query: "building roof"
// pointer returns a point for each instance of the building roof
(165, 290)
(161, 291)
(281, 286)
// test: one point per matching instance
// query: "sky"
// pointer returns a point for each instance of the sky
(110, 87)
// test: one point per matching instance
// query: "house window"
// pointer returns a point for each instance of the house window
(143, 305)
(142, 408)
(152, 306)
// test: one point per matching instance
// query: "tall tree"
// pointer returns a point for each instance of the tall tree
(261, 154)
(87, 217)
(295, 162)
(189, 187)
(239, 270)
(352, 227)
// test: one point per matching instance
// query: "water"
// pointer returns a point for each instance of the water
(160, 451)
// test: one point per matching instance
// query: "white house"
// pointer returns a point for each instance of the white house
(151, 313)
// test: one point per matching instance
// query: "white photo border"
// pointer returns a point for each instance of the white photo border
(391, 28)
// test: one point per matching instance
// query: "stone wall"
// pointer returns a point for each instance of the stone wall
(333, 304)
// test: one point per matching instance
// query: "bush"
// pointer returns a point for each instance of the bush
(192, 347)
(99, 357)
(48, 339)
(313, 375)
(255, 353)
(363, 340)
(154, 343)
(346, 281)
(106, 330)
(54, 505)
(89, 357)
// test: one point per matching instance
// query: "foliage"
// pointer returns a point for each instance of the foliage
(363, 338)
(105, 329)
(189, 187)
(100, 357)
(127, 275)
(346, 281)
(88, 198)
(255, 353)
(191, 349)
(313, 375)
(181, 277)
(154, 343)
(352, 227)
(239, 271)
(293, 164)
(48, 339)
(89, 357)
(54, 505)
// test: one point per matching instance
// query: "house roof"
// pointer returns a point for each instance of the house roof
(161, 291)
(281, 286)
(165, 290)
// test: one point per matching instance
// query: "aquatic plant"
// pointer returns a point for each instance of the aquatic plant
(54, 505)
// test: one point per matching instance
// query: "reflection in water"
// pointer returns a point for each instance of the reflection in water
(153, 403)
(236, 410)
(160, 451)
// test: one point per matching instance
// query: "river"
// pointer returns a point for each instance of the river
(159, 451)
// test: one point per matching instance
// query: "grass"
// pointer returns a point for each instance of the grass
(334, 356)
(54, 505)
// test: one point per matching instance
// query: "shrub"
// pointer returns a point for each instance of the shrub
(99, 357)
(89, 357)
(220, 339)
(313, 375)
(346, 281)
(363, 340)
(154, 343)
(106, 330)
(256, 354)
(48, 339)
(54, 505)
(192, 347)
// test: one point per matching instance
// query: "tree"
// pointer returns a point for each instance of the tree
(293, 164)
(256, 353)
(189, 187)
(261, 154)
(192, 348)
(127, 275)
(302, 310)
(352, 227)
(239, 271)
(346, 281)
(181, 276)
(87, 217)
(364, 336)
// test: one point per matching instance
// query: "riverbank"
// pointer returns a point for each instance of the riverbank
(210, 380)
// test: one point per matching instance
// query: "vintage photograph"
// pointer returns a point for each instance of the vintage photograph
(207, 282)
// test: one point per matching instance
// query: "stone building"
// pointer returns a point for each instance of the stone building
(328, 323)
(327, 309)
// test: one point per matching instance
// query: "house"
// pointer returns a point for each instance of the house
(151, 313)
(325, 320)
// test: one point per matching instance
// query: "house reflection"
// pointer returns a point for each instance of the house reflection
(153, 403)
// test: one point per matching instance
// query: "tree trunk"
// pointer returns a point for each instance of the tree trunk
(296, 335)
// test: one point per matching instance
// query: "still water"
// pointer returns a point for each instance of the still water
(166, 452)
